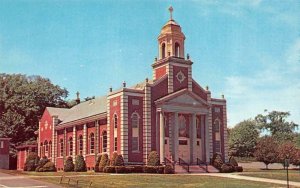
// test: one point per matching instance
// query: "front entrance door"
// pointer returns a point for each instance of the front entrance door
(184, 149)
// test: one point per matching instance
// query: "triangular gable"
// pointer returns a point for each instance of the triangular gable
(183, 96)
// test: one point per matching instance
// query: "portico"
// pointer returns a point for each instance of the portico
(183, 131)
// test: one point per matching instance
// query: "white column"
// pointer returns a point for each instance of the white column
(175, 137)
(124, 128)
(39, 140)
(225, 133)
(147, 123)
(108, 126)
(162, 138)
(207, 139)
(193, 137)
(84, 140)
(65, 146)
(97, 138)
(55, 146)
(74, 143)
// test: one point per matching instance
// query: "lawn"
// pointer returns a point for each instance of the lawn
(294, 175)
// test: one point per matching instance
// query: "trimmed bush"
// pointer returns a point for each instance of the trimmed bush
(41, 164)
(113, 159)
(150, 169)
(233, 162)
(238, 169)
(103, 162)
(31, 162)
(80, 165)
(97, 163)
(227, 168)
(137, 169)
(169, 169)
(129, 169)
(153, 159)
(119, 161)
(217, 161)
(69, 165)
(160, 169)
(109, 169)
(120, 169)
(49, 167)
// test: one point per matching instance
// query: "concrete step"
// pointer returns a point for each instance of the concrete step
(212, 169)
(196, 169)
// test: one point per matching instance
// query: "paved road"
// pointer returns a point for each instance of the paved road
(12, 181)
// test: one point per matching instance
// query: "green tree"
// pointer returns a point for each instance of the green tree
(266, 151)
(22, 102)
(275, 122)
(243, 138)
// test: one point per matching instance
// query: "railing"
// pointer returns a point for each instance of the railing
(169, 162)
(184, 165)
(201, 164)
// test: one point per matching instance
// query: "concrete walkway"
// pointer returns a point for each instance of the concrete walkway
(12, 181)
(266, 180)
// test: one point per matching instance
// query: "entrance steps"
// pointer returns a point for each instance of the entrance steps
(195, 169)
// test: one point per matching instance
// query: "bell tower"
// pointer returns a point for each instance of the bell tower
(171, 62)
(171, 39)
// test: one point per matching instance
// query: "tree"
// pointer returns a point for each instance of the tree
(69, 165)
(243, 138)
(266, 151)
(22, 102)
(153, 159)
(287, 150)
(80, 165)
(275, 122)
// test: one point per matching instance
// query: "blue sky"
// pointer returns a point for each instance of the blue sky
(249, 50)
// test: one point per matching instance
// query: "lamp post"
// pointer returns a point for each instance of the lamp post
(287, 164)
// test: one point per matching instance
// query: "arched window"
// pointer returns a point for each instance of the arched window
(135, 132)
(177, 50)
(115, 121)
(217, 126)
(104, 141)
(92, 143)
(182, 127)
(42, 149)
(163, 50)
(61, 143)
(46, 148)
(70, 146)
(50, 149)
(80, 140)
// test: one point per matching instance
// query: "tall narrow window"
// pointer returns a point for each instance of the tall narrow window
(163, 50)
(115, 121)
(218, 146)
(46, 148)
(92, 143)
(182, 127)
(104, 141)
(70, 146)
(116, 144)
(135, 132)
(198, 127)
(50, 149)
(61, 143)
(177, 49)
(217, 126)
(80, 140)
(42, 149)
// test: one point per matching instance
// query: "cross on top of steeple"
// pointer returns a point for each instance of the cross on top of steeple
(171, 11)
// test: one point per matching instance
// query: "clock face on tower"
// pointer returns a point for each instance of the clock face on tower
(180, 77)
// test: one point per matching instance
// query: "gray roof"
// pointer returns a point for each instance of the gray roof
(81, 110)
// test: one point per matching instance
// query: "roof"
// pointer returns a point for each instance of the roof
(82, 110)
(87, 109)
(141, 85)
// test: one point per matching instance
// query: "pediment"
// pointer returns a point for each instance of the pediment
(183, 97)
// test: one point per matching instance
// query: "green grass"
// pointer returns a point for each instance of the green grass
(294, 175)
(245, 159)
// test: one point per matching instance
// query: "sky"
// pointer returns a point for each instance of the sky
(247, 50)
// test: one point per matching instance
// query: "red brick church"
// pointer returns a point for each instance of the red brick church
(170, 113)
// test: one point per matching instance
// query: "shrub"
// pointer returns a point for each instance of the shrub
(119, 161)
(217, 161)
(153, 159)
(233, 162)
(49, 167)
(120, 169)
(109, 169)
(169, 169)
(137, 169)
(80, 165)
(69, 165)
(97, 163)
(227, 168)
(113, 159)
(238, 169)
(31, 162)
(150, 169)
(129, 169)
(160, 169)
(41, 164)
(103, 162)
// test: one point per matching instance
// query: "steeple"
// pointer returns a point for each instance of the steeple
(171, 39)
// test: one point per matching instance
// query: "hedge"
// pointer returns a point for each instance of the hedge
(103, 162)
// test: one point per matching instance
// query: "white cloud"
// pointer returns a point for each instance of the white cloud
(277, 87)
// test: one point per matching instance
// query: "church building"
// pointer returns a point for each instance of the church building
(170, 113)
